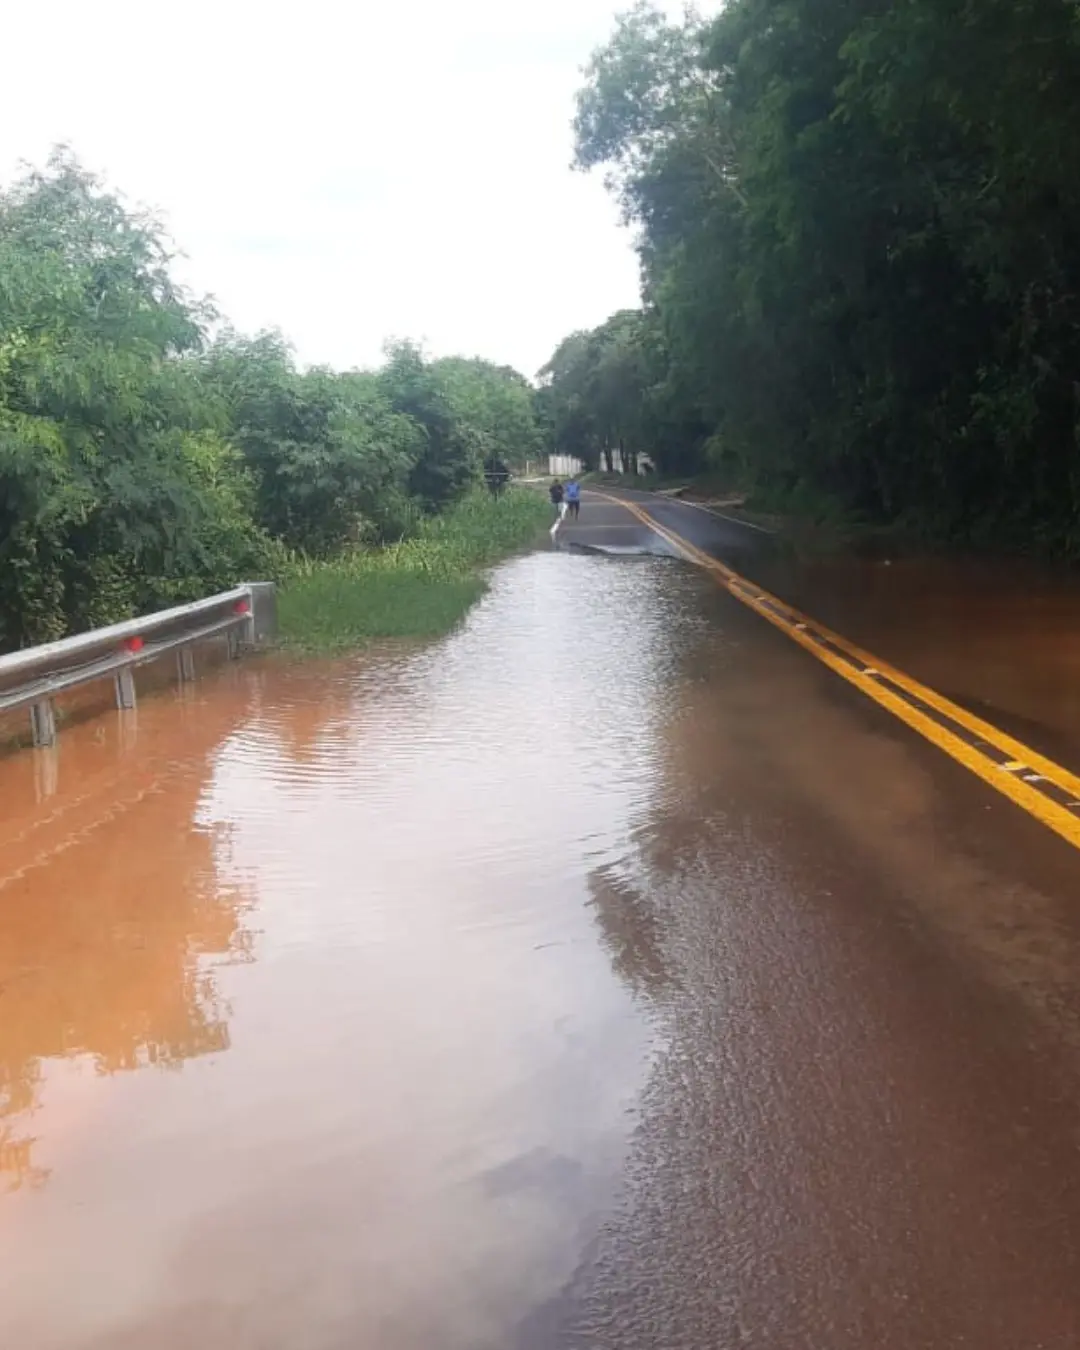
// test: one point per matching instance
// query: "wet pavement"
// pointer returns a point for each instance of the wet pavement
(609, 974)
(607, 529)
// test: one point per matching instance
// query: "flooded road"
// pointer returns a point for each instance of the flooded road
(303, 995)
(1001, 636)
(607, 975)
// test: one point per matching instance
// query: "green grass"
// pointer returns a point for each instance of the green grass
(418, 588)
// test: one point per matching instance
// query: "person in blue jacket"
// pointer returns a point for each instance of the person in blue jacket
(573, 498)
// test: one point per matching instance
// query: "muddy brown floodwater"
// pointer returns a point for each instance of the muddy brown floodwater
(1001, 636)
(605, 975)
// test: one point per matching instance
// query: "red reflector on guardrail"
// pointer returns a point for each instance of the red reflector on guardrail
(134, 644)
(242, 607)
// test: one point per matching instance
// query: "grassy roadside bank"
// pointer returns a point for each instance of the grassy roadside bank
(418, 588)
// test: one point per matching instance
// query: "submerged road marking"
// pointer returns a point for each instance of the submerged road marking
(1043, 788)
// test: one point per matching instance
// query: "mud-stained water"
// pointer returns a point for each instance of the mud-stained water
(311, 1033)
(1000, 635)
(607, 975)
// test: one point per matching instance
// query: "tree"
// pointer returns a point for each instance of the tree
(613, 390)
(563, 405)
(495, 406)
(330, 456)
(105, 452)
(450, 456)
(650, 100)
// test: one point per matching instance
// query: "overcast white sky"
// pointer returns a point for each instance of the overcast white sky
(345, 172)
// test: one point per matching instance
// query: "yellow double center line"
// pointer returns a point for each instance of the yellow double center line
(1046, 790)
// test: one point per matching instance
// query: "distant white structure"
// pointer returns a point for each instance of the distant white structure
(564, 466)
(644, 463)
(569, 466)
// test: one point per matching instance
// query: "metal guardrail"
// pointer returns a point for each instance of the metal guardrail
(31, 678)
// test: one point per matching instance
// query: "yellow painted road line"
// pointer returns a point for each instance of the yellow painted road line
(1010, 767)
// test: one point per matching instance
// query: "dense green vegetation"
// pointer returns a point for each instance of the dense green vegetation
(859, 230)
(145, 462)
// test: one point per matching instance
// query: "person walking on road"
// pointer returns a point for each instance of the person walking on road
(573, 498)
(558, 500)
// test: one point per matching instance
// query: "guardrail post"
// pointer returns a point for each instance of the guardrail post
(43, 722)
(263, 624)
(125, 688)
(234, 643)
(185, 664)
(46, 773)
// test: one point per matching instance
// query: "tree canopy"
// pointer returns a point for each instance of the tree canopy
(859, 228)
